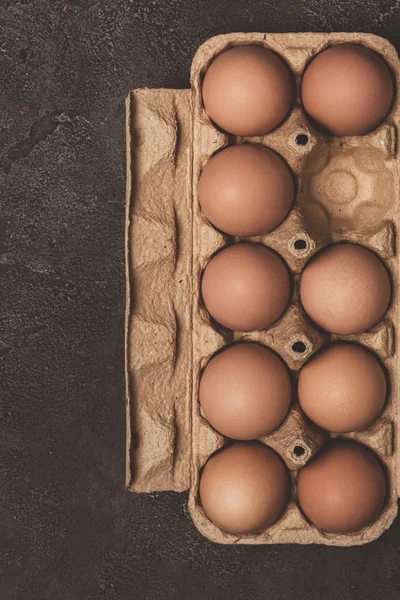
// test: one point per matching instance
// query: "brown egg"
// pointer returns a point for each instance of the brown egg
(246, 287)
(246, 190)
(342, 388)
(345, 289)
(244, 488)
(247, 90)
(347, 89)
(245, 391)
(343, 488)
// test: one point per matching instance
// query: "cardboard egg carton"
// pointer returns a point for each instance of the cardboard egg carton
(347, 189)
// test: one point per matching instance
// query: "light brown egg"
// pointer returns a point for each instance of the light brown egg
(246, 190)
(245, 391)
(244, 488)
(247, 90)
(345, 289)
(343, 488)
(342, 388)
(347, 89)
(246, 287)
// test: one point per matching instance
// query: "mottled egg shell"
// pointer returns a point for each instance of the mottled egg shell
(247, 90)
(347, 89)
(345, 289)
(246, 287)
(245, 391)
(246, 190)
(342, 388)
(244, 488)
(343, 488)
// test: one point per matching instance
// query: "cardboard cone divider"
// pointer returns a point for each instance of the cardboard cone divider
(169, 334)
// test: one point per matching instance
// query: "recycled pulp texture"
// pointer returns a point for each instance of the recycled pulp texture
(347, 190)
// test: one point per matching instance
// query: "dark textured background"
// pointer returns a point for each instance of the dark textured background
(69, 531)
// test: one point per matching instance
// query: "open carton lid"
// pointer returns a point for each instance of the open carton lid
(159, 267)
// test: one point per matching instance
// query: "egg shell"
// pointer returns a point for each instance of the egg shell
(342, 388)
(246, 190)
(246, 287)
(345, 289)
(247, 90)
(343, 488)
(245, 391)
(244, 487)
(347, 89)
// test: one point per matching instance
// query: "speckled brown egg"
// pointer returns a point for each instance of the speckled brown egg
(244, 488)
(342, 388)
(343, 488)
(345, 289)
(247, 90)
(246, 287)
(347, 89)
(245, 391)
(246, 190)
